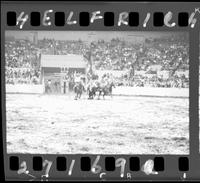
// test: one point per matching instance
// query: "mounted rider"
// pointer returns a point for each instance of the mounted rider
(78, 86)
(91, 88)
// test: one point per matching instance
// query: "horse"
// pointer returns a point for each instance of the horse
(78, 89)
(110, 88)
(105, 89)
(92, 89)
(100, 89)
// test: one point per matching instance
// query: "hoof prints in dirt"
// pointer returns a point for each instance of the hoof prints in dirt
(179, 138)
(123, 124)
(85, 149)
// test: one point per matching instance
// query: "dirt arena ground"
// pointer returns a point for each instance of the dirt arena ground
(120, 125)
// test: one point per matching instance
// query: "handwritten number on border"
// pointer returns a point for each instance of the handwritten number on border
(96, 168)
(121, 162)
(48, 167)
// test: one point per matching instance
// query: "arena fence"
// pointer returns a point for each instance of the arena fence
(119, 91)
(24, 88)
(151, 91)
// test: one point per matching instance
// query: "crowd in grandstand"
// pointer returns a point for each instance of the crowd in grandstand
(155, 81)
(171, 53)
(22, 62)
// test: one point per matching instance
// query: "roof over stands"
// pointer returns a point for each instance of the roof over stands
(67, 61)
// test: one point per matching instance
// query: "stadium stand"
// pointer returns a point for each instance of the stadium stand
(170, 54)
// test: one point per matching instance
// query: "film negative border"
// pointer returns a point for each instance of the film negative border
(135, 17)
(149, 17)
(98, 167)
(85, 19)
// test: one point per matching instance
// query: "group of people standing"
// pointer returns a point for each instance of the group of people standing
(94, 87)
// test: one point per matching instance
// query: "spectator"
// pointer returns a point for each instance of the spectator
(171, 54)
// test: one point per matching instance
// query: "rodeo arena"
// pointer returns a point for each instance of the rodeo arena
(107, 96)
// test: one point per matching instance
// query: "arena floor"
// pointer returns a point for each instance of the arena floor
(120, 125)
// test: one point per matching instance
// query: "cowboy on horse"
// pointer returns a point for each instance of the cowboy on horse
(102, 87)
(106, 87)
(78, 88)
(92, 89)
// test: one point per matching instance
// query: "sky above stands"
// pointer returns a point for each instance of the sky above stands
(88, 35)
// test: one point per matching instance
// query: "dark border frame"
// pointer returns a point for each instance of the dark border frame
(171, 161)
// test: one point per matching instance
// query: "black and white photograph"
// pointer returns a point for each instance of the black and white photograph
(97, 92)
(199, 93)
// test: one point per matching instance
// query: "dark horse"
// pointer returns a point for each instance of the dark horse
(100, 90)
(106, 90)
(78, 89)
(92, 89)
